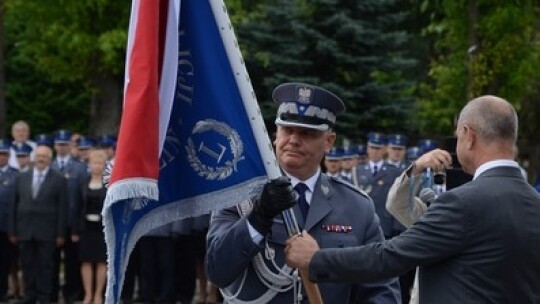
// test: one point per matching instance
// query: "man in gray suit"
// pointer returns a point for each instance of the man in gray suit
(245, 256)
(477, 243)
(37, 223)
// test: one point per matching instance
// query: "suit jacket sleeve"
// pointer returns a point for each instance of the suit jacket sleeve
(397, 202)
(439, 234)
(229, 247)
(384, 291)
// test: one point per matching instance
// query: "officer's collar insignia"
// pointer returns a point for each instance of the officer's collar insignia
(325, 189)
(304, 95)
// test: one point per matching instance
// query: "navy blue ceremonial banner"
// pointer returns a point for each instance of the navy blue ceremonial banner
(203, 154)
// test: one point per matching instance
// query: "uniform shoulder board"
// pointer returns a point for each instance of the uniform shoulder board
(349, 185)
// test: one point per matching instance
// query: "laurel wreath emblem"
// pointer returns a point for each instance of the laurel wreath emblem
(237, 148)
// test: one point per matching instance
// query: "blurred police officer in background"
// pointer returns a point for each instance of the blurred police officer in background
(7, 188)
(75, 173)
(22, 152)
(397, 145)
(332, 162)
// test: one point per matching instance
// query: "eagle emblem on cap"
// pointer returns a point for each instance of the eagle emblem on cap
(304, 95)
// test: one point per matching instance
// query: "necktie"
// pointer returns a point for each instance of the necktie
(374, 169)
(61, 165)
(37, 184)
(301, 189)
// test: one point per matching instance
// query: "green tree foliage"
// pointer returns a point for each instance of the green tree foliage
(354, 48)
(72, 49)
(482, 47)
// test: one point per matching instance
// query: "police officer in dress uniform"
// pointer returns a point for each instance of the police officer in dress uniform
(245, 256)
(362, 155)
(375, 178)
(22, 152)
(75, 173)
(44, 140)
(397, 145)
(332, 162)
(84, 144)
(7, 188)
(348, 162)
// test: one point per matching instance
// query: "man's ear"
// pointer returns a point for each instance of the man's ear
(330, 140)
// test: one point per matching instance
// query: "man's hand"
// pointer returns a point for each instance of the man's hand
(437, 160)
(300, 250)
(277, 195)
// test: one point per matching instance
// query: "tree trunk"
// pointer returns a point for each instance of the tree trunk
(3, 109)
(106, 105)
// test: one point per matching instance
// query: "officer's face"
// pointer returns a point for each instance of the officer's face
(396, 153)
(23, 161)
(375, 153)
(61, 148)
(348, 163)
(332, 165)
(4, 157)
(300, 150)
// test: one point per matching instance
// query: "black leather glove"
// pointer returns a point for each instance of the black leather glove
(276, 196)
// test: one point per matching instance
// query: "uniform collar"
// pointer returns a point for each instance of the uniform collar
(310, 182)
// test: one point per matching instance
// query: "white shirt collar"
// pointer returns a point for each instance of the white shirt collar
(310, 182)
(65, 159)
(494, 163)
(44, 172)
(379, 164)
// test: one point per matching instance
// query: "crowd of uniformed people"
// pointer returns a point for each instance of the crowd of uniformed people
(52, 246)
(168, 261)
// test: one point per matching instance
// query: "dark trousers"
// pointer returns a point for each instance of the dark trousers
(5, 262)
(132, 272)
(406, 282)
(157, 270)
(72, 289)
(186, 267)
(37, 260)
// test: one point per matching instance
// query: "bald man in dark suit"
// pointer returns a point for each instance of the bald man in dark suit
(477, 243)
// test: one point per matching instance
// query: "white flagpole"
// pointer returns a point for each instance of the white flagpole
(250, 102)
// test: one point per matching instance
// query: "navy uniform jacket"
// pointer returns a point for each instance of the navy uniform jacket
(477, 243)
(76, 174)
(377, 188)
(230, 248)
(7, 188)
